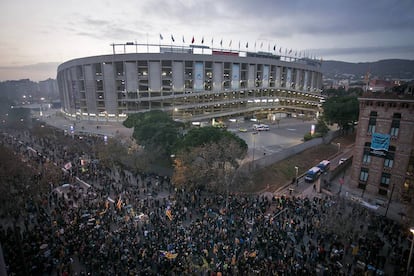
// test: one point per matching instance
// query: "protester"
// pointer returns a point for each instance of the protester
(109, 221)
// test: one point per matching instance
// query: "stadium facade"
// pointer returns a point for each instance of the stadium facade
(190, 83)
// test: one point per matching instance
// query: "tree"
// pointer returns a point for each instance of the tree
(207, 158)
(111, 154)
(155, 131)
(203, 135)
(321, 127)
(341, 110)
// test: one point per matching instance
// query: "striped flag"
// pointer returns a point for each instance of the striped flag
(168, 213)
(168, 255)
(119, 203)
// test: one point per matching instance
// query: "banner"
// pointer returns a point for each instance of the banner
(198, 76)
(235, 81)
(289, 78)
(380, 141)
(380, 144)
(265, 80)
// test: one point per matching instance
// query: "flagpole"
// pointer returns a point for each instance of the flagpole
(147, 44)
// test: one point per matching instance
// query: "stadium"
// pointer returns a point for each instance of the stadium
(191, 83)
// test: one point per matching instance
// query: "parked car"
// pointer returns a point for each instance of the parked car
(313, 174)
(324, 165)
(342, 160)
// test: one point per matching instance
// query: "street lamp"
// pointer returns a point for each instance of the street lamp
(254, 146)
(296, 178)
(389, 200)
(411, 251)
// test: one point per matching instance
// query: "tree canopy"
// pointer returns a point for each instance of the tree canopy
(155, 131)
(341, 110)
(204, 135)
(207, 158)
(203, 157)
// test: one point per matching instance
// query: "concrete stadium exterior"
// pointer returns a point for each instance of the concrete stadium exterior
(190, 83)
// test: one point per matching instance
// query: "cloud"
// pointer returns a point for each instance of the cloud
(37, 72)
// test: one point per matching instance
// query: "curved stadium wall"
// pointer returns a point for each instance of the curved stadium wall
(188, 86)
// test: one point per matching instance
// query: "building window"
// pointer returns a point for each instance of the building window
(99, 85)
(120, 85)
(395, 124)
(366, 158)
(372, 122)
(98, 69)
(363, 175)
(119, 68)
(389, 161)
(385, 180)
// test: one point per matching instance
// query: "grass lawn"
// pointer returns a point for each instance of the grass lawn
(282, 172)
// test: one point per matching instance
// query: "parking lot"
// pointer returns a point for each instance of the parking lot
(287, 133)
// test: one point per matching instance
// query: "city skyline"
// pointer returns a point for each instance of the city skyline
(36, 36)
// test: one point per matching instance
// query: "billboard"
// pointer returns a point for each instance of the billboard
(380, 144)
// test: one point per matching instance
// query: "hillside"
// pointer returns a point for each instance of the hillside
(390, 68)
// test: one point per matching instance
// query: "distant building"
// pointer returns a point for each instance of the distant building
(48, 89)
(383, 157)
(377, 85)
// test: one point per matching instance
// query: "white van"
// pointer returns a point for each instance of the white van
(261, 127)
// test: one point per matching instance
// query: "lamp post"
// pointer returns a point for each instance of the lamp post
(411, 251)
(254, 147)
(296, 178)
(389, 200)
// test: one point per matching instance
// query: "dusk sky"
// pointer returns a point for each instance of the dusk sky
(37, 35)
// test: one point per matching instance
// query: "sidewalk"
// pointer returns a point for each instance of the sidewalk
(108, 128)
(375, 203)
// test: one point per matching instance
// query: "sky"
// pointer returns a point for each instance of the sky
(38, 35)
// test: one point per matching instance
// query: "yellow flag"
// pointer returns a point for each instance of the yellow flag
(169, 214)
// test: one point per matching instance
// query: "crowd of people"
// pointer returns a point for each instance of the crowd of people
(111, 221)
